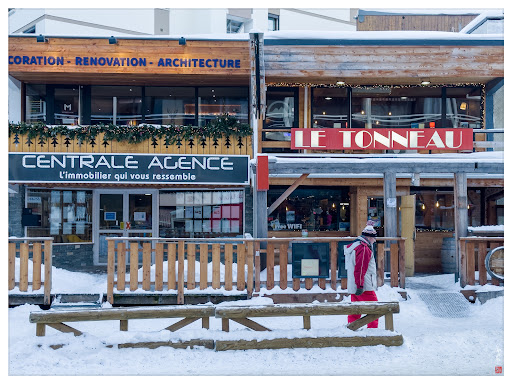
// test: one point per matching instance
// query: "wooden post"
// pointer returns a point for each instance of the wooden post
(181, 272)
(203, 266)
(283, 265)
(216, 266)
(110, 270)
(134, 266)
(461, 218)
(171, 266)
(470, 265)
(240, 271)
(159, 266)
(307, 322)
(401, 263)
(482, 271)
(388, 319)
(333, 248)
(380, 264)
(123, 325)
(228, 266)
(308, 283)
(191, 265)
(23, 267)
(47, 271)
(250, 267)
(270, 265)
(394, 264)
(257, 266)
(12, 265)
(40, 329)
(146, 266)
(390, 208)
(463, 262)
(408, 208)
(121, 266)
(36, 266)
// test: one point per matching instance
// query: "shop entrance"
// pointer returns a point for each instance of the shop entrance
(123, 214)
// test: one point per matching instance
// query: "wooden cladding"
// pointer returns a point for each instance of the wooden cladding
(384, 64)
(129, 57)
(447, 23)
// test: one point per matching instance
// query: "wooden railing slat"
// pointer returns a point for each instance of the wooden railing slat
(394, 264)
(470, 264)
(333, 249)
(24, 267)
(121, 266)
(401, 263)
(181, 272)
(270, 265)
(380, 264)
(203, 266)
(171, 266)
(283, 265)
(250, 267)
(12, 265)
(228, 266)
(134, 266)
(159, 266)
(36, 264)
(110, 270)
(216, 266)
(482, 272)
(191, 265)
(257, 267)
(240, 272)
(47, 271)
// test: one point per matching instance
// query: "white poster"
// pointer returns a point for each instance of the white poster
(309, 267)
(234, 197)
(207, 226)
(216, 197)
(207, 212)
(55, 214)
(216, 212)
(225, 197)
(139, 216)
(189, 198)
(180, 198)
(189, 226)
(180, 212)
(198, 225)
(207, 198)
(189, 212)
(198, 198)
(198, 212)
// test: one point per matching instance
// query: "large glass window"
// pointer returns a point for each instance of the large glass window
(434, 209)
(66, 215)
(116, 105)
(312, 209)
(66, 106)
(281, 114)
(330, 108)
(201, 213)
(463, 107)
(35, 103)
(170, 105)
(216, 101)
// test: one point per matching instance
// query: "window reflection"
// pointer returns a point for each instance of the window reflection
(330, 108)
(35, 103)
(170, 105)
(216, 101)
(66, 106)
(116, 105)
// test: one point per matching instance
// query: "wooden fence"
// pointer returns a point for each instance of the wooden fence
(41, 250)
(248, 253)
(473, 251)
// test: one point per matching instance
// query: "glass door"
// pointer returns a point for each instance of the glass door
(122, 214)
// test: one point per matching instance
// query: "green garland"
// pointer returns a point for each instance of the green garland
(223, 126)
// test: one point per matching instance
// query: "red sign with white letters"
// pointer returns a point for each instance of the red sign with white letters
(444, 139)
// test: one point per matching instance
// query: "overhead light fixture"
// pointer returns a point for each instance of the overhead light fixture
(463, 106)
(425, 82)
(328, 98)
(182, 41)
(41, 39)
(340, 83)
(112, 40)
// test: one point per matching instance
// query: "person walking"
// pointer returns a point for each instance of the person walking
(362, 270)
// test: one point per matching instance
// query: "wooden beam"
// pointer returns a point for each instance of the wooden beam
(182, 323)
(460, 193)
(251, 324)
(174, 344)
(362, 322)
(287, 193)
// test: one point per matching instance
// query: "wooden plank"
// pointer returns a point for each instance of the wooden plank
(394, 264)
(470, 255)
(36, 266)
(121, 266)
(250, 267)
(64, 328)
(251, 324)
(191, 265)
(171, 266)
(389, 321)
(111, 257)
(210, 344)
(216, 266)
(287, 193)
(308, 283)
(182, 323)
(123, 325)
(270, 265)
(203, 266)
(257, 266)
(225, 324)
(228, 266)
(134, 266)
(181, 272)
(306, 320)
(159, 266)
(283, 265)
(482, 271)
(309, 342)
(40, 329)
(344, 283)
(333, 249)
(23, 286)
(240, 266)
(12, 265)
(47, 271)
(295, 284)
(365, 320)
(146, 266)
(205, 322)
(380, 264)
(463, 263)
(401, 262)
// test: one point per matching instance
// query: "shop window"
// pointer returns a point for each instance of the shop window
(463, 108)
(434, 209)
(216, 101)
(65, 215)
(387, 107)
(66, 106)
(35, 103)
(170, 105)
(282, 113)
(311, 209)
(330, 108)
(116, 105)
(201, 214)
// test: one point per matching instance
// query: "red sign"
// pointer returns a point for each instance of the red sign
(262, 173)
(447, 139)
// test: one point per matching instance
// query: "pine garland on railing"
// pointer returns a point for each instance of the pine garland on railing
(223, 126)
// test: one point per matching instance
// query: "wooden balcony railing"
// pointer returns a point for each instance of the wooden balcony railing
(40, 248)
(473, 252)
(241, 266)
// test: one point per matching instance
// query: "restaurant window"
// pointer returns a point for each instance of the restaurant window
(170, 105)
(375, 206)
(434, 209)
(281, 113)
(35, 103)
(330, 108)
(119, 105)
(387, 107)
(201, 214)
(311, 209)
(463, 108)
(65, 215)
(216, 101)
(66, 106)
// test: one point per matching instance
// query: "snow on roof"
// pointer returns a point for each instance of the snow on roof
(480, 19)
(421, 11)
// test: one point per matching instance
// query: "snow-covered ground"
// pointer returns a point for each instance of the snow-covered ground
(468, 345)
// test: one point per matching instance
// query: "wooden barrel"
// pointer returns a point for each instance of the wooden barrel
(448, 258)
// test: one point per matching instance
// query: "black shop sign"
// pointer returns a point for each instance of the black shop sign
(128, 168)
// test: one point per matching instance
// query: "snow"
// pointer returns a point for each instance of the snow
(488, 228)
(471, 345)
